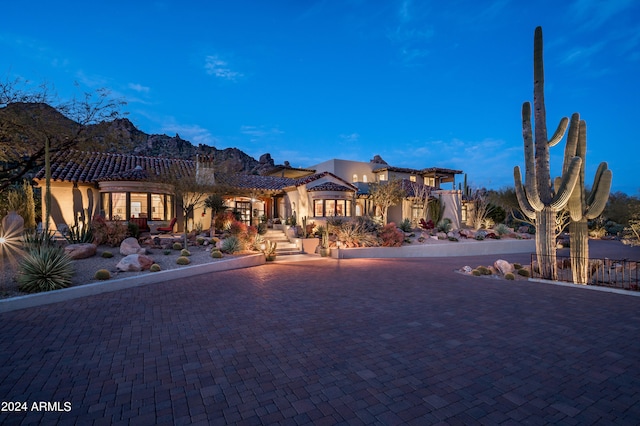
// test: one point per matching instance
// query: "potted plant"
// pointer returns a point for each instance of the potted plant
(270, 250)
(308, 241)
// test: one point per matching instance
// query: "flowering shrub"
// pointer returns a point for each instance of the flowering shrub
(223, 220)
(391, 236)
(237, 228)
(111, 233)
(428, 225)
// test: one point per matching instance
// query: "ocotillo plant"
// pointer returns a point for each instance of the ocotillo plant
(537, 198)
(583, 206)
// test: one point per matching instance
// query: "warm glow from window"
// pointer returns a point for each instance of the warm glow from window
(355, 177)
(412, 178)
(364, 178)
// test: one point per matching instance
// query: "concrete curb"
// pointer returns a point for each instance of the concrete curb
(587, 287)
(40, 299)
(462, 248)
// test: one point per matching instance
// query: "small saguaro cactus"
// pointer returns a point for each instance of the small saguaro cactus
(583, 206)
(536, 197)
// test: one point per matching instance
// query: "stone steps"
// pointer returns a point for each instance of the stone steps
(284, 246)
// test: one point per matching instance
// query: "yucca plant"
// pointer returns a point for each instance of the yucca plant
(34, 240)
(45, 269)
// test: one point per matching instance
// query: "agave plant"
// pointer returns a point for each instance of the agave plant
(231, 245)
(78, 234)
(45, 269)
(34, 240)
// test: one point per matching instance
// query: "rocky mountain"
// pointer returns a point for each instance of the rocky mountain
(23, 126)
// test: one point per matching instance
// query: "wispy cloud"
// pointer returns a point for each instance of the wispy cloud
(191, 132)
(350, 138)
(594, 13)
(411, 32)
(258, 133)
(219, 68)
(138, 88)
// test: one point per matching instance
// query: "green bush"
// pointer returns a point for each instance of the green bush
(523, 272)
(102, 274)
(107, 254)
(177, 246)
(167, 252)
(216, 254)
(391, 236)
(231, 245)
(509, 276)
(517, 266)
(45, 269)
(155, 268)
(475, 273)
(133, 230)
(444, 225)
(183, 260)
(484, 270)
(405, 225)
(185, 252)
(502, 229)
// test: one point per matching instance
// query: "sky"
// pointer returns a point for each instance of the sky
(420, 83)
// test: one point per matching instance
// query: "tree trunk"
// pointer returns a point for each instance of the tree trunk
(579, 250)
(546, 243)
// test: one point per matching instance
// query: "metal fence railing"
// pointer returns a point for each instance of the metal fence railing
(622, 274)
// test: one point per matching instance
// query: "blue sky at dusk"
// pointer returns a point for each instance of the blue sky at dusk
(421, 83)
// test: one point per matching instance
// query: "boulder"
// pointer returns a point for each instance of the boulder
(467, 233)
(80, 250)
(134, 263)
(131, 246)
(503, 266)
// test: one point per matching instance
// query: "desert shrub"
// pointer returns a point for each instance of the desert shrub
(421, 239)
(223, 220)
(484, 270)
(391, 236)
(367, 224)
(185, 252)
(155, 268)
(231, 245)
(167, 252)
(183, 260)
(517, 266)
(335, 222)
(44, 269)
(351, 234)
(509, 276)
(444, 225)
(523, 272)
(110, 233)
(405, 225)
(177, 246)
(502, 229)
(102, 274)
(107, 254)
(236, 228)
(453, 239)
(256, 242)
(475, 273)
(216, 254)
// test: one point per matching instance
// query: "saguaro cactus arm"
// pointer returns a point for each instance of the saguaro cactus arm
(523, 201)
(597, 199)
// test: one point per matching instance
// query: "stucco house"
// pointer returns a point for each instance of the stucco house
(130, 187)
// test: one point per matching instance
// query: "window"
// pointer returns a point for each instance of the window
(125, 205)
(354, 178)
(429, 181)
(118, 205)
(383, 177)
(364, 178)
(139, 206)
(412, 178)
(326, 208)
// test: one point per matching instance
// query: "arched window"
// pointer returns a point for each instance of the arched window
(364, 178)
(355, 177)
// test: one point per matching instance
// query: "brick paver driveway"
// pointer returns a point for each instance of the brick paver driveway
(325, 342)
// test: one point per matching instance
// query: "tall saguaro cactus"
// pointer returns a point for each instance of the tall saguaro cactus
(583, 206)
(537, 198)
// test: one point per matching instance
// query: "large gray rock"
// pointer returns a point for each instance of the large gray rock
(134, 263)
(131, 246)
(503, 266)
(80, 250)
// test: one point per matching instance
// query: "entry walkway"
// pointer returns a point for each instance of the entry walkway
(328, 341)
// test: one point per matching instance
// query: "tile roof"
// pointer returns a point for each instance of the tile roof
(329, 186)
(254, 182)
(93, 167)
(308, 179)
